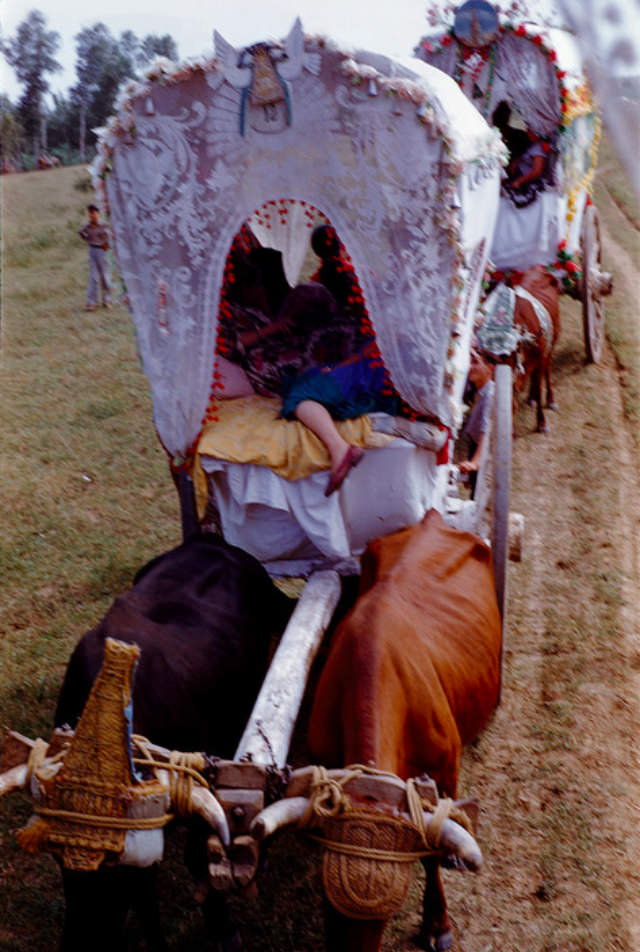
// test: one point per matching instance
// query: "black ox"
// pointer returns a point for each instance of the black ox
(203, 616)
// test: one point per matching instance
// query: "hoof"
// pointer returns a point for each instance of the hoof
(451, 861)
(230, 943)
(553, 406)
(531, 403)
(430, 943)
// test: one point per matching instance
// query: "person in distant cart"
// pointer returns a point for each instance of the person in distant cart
(97, 237)
(516, 140)
(527, 173)
(476, 426)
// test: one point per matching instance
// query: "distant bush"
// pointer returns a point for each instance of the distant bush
(83, 183)
(67, 155)
(27, 161)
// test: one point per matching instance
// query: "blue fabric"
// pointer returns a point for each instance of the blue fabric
(346, 390)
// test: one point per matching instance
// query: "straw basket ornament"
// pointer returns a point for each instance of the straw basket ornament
(88, 802)
(367, 865)
(369, 855)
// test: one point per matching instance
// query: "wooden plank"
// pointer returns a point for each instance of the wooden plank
(267, 736)
(246, 775)
(241, 806)
(367, 788)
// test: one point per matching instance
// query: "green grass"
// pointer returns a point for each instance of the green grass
(85, 491)
(617, 183)
(619, 210)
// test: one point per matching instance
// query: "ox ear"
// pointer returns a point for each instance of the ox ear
(471, 807)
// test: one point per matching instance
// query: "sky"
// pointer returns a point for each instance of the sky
(394, 29)
(388, 26)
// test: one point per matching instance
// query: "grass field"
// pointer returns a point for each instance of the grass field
(86, 499)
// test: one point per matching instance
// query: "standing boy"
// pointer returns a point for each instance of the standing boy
(477, 425)
(97, 237)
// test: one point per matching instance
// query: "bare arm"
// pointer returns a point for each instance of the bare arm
(472, 465)
(536, 172)
(250, 338)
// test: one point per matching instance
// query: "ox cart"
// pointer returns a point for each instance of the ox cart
(256, 149)
(509, 68)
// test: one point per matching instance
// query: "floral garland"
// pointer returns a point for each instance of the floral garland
(579, 103)
(587, 180)
(567, 270)
(572, 103)
(484, 55)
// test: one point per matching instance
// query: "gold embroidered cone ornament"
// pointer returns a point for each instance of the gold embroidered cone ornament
(86, 805)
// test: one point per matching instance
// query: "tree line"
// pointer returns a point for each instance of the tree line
(30, 127)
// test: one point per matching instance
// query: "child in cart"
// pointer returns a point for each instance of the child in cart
(314, 357)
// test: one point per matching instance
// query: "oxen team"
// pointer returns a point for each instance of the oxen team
(412, 674)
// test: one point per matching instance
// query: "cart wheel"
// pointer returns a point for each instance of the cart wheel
(501, 439)
(595, 285)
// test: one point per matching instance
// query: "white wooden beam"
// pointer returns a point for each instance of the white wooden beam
(267, 736)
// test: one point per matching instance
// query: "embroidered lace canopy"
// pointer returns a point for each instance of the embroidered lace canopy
(392, 154)
(536, 70)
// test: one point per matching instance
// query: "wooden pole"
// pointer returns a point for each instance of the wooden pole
(267, 736)
(188, 511)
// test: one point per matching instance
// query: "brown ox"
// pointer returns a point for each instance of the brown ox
(412, 675)
(539, 337)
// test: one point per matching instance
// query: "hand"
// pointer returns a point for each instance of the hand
(468, 466)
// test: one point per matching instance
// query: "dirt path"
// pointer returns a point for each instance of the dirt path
(557, 770)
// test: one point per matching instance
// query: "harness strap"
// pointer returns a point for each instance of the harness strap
(541, 313)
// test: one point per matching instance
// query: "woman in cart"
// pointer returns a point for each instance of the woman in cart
(526, 180)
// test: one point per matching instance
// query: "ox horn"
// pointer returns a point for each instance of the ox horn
(203, 802)
(278, 815)
(13, 779)
(455, 839)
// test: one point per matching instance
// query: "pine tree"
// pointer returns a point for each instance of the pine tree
(31, 54)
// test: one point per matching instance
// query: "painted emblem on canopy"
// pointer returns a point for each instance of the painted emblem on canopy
(476, 24)
(262, 71)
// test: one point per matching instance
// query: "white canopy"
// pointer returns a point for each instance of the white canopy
(392, 154)
(528, 66)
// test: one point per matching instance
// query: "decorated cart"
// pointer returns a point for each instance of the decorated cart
(214, 166)
(274, 140)
(505, 61)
